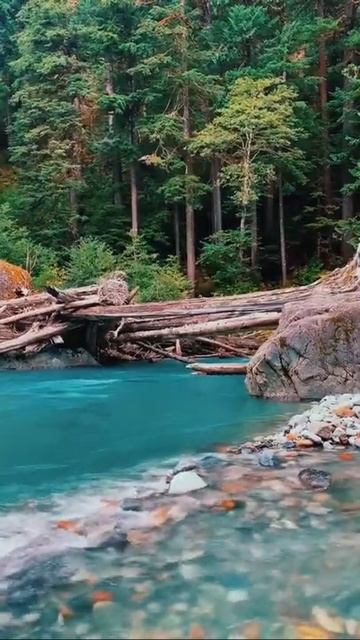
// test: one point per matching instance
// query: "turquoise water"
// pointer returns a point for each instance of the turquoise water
(76, 444)
(61, 428)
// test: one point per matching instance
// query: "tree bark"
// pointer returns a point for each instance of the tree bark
(190, 217)
(177, 231)
(347, 204)
(282, 232)
(134, 201)
(216, 195)
(254, 236)
(323, 94)
(269, 210)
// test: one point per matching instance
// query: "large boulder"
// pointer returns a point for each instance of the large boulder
(314, 352)
(12, 278)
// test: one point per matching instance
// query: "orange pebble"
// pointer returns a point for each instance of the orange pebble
(102, 596)
(197, 632)
(311, 632)
(252, 631)
(228, 504)
(69, 525)
(291, 436)
(304, 442)
(66, 612)
(344, 412)
(346, 456)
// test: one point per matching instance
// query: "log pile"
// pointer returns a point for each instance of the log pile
(233, 325)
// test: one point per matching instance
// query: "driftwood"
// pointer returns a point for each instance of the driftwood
(206, 328)
(35, 335)
(125, 331)
(221, 345)
(219, 369)
(164, 353)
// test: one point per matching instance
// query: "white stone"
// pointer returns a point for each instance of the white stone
(5, 619)
(186, 481)
(190, 571)
(333, 624)
(237, 595)
(31, 618)
(352, 627)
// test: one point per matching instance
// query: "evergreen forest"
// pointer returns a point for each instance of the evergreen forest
(208, 146)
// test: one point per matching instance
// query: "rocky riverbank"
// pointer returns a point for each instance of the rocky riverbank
(196, 545)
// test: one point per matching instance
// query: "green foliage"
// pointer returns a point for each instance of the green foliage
(17, 247)
(221, 257)
(92, 114)
(349, 230)
(157, 281)
(309, 273)
(89, 259)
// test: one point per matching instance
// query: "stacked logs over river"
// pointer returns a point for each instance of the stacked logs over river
(182, 329)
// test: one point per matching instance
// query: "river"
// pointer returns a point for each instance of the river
(75, 443)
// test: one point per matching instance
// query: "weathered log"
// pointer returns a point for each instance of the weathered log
(35, 335)
(221, 345)
(164, 353)
(206, 328)
(47, 310)
(219, 369)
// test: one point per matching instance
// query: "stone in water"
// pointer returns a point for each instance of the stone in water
(314, 478)
(186, 481)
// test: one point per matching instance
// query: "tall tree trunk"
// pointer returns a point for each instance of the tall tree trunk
(177, 231)
(134, 188)
(190, 217)
(282, 231)
(76, 175)
(115, 161)
(216, 195)
(269, 210)
(323, 91)
(134, 201)
(254, 236)
(347, 204)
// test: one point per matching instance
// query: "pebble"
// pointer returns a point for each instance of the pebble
(333, 624)
(5, 619)
(31, 618)
(267, 458)
(314, 478)
(190, 571)
(186, 481)
(237, 595)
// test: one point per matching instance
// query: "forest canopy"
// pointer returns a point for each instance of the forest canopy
(213, 139)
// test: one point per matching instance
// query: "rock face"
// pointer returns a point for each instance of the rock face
(51, 358)
(314, 352)
(12, 278)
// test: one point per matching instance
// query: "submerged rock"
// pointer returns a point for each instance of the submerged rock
(314, 478)
(186, 481)
(50, 358)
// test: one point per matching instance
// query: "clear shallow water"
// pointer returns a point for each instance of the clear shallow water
(75, 444)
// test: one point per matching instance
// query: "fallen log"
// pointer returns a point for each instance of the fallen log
(219, 369)
(47, 310)
(164, 353)
(206, 328)
(35, 335)
(221, 345)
